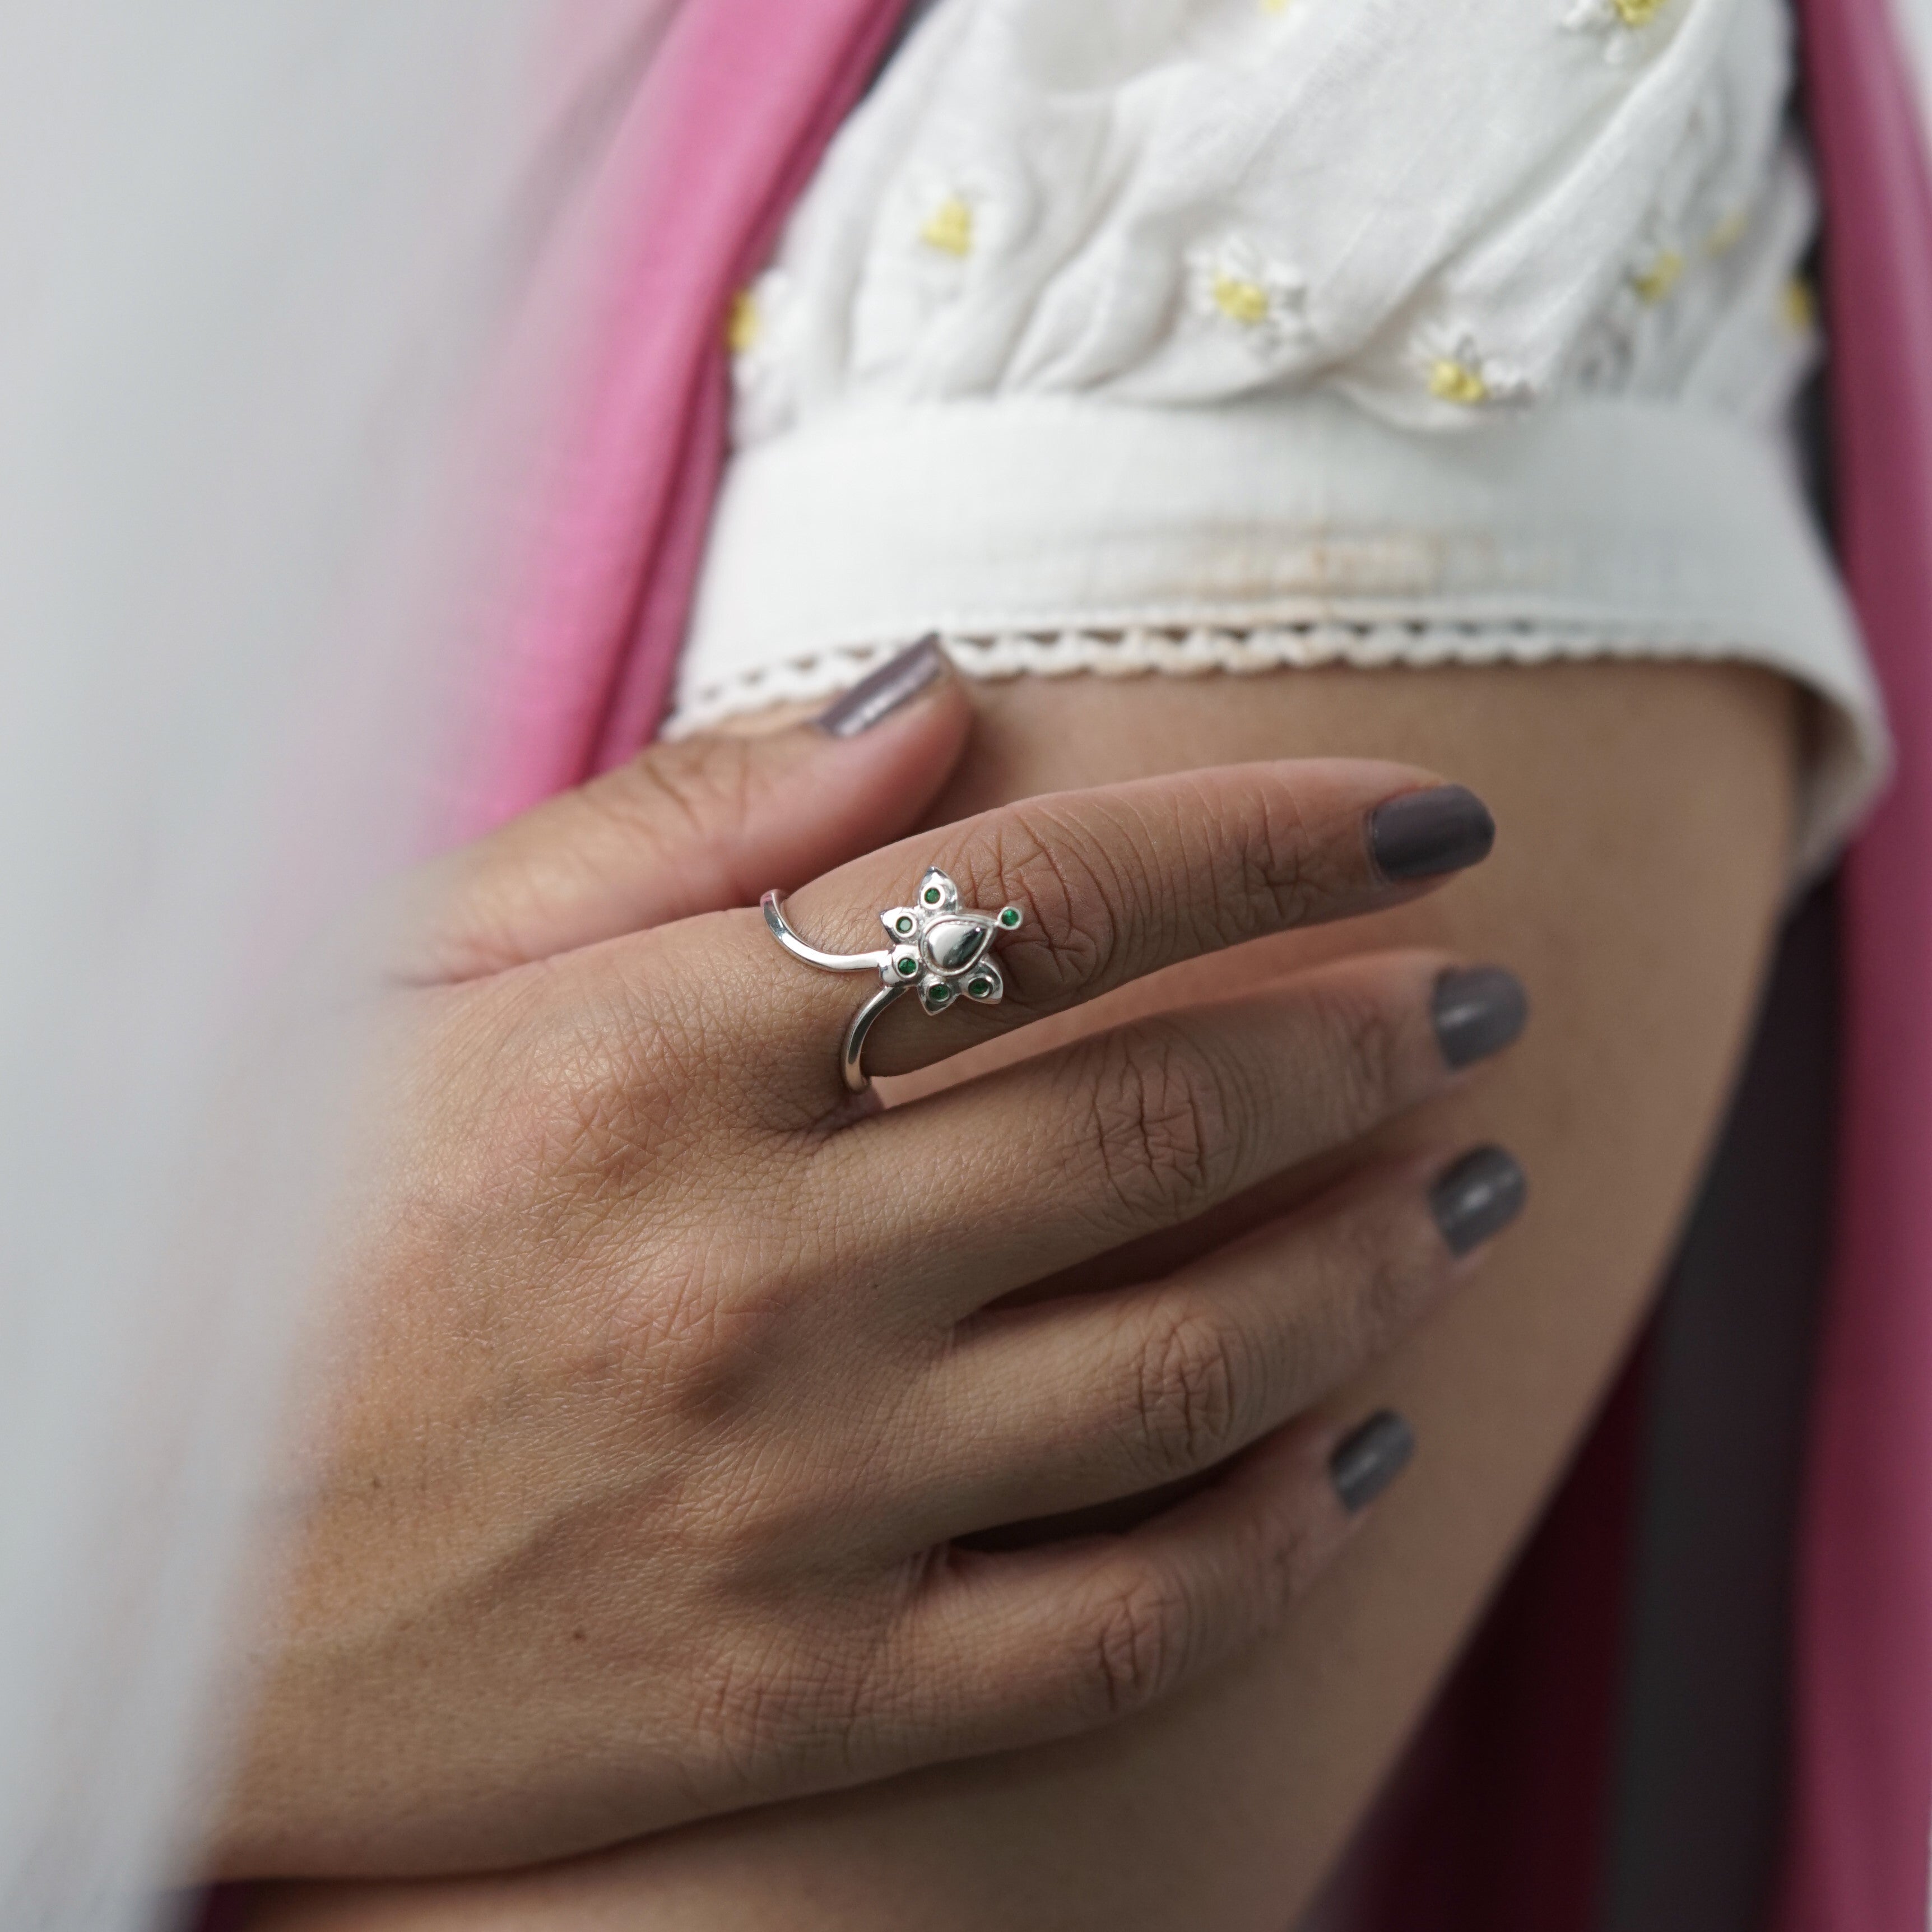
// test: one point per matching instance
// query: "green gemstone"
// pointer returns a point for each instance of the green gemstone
(932, 896)
(980, 988)
(907, 967)
(939, 995)
(1009, 917)
(905, 925)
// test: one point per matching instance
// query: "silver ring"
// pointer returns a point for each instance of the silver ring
(938, 948)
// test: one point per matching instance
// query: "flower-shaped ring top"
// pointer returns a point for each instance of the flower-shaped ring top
(940, 947)
(936, 945)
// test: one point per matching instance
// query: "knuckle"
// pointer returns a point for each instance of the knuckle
(1286, 1550)
(1383, 1278)
(1139, 1642)
(532, 1102)
(685, 1324)
(1362, 1062)
(693, 789)
(599, 1084)
(1282, 861)
(1253, 868)
(1189, 1397)
(1074, 891)
(739, 1708)
(767, 1716)
(624, 1077)
(1161, 1127)
(582, 1170)
(1275, 1571)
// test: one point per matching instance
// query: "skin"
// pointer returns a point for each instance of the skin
(646, 1487)
(1645, 817)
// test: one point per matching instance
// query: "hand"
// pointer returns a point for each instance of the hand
(685, 1379)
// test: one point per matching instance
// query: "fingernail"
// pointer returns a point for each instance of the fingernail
(1369, 1459)
(1423, 833)
(896, 682)
(1479, 1196)
(1478, 1011)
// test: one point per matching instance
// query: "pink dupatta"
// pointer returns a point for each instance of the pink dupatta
(1863, 1712)
(735, 108)
(732, 118)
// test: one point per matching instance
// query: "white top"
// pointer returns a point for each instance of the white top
(1181, 334)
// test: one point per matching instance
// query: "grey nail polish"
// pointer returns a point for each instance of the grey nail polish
(1369, 1459)
(1424, 833)
(1478, 1196)
(874, 698)
(1477, 1012)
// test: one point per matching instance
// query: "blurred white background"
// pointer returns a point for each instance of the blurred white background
(254, 263)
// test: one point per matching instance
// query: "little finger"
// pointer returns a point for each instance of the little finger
(1047, 1642)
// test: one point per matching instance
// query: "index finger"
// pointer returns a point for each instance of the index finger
(1110, 884)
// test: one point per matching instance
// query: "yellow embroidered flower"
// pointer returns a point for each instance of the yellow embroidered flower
(1239, 299)
(1728, 233)
(1620, 24)
(948, 228)
(1654, 283)
(1799, 305)
(742, 325)
(1230, 279)
(1453, 380)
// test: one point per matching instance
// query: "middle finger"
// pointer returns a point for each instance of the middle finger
(988, 1186)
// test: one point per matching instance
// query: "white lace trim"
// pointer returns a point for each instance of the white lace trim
(1193, 653)
(1850, 756)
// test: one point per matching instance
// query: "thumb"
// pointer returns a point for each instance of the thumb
(695, 826)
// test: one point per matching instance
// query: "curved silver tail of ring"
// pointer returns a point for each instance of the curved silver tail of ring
(852, 1053)
(939, 949)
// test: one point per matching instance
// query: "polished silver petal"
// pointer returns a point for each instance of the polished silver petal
(952, 945)
(936, 892)
(937, 946)
(983, 985)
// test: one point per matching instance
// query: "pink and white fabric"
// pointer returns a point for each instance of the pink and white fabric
(736, 106)
(721, 138)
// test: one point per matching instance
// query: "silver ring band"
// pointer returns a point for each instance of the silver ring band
(937, 948)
